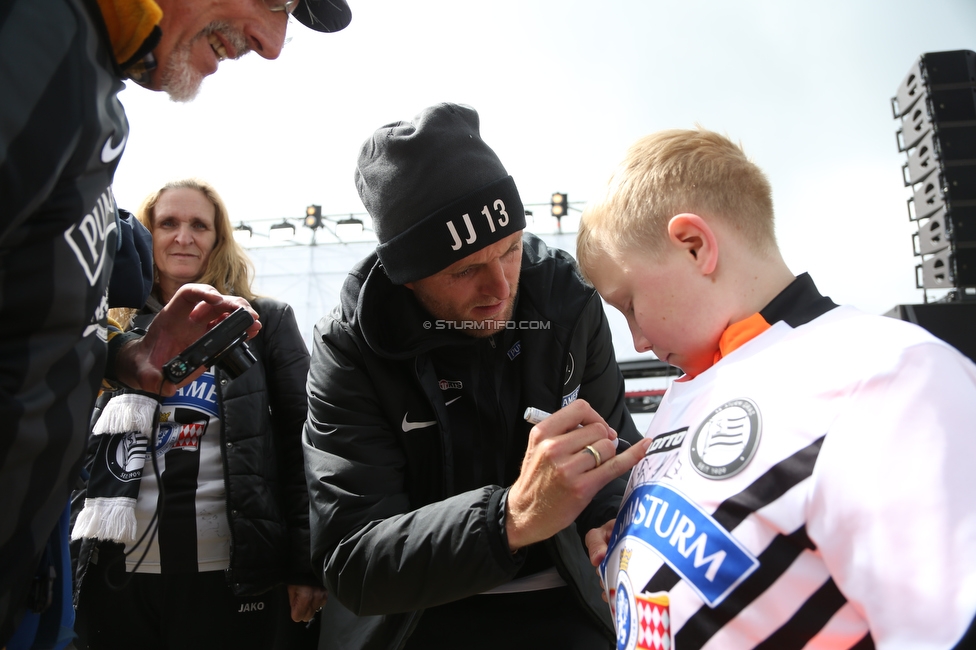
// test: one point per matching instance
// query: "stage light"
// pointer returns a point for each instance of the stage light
(243, 232)
(281, 231)
(350, 221)
(313, 216)
(345, 227)
(559, 206)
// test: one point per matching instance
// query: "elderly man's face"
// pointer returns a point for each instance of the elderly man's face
(479, 289)
(198, 34)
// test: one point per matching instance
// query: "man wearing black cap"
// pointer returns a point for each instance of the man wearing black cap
(62, 131)
(440, 518)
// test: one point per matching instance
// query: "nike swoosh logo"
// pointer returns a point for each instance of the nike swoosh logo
(110, 153)
(410, 426)
(448, 403)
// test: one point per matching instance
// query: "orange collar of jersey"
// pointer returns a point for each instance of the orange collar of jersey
(738, 334)
(130, 24)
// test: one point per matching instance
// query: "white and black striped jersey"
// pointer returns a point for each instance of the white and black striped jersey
(62, 130)
(194, 531)
(812, 489)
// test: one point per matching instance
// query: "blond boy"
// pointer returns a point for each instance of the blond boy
(810, 482)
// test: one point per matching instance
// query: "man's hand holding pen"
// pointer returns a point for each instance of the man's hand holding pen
(571, 455)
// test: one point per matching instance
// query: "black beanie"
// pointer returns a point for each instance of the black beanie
(435, 191)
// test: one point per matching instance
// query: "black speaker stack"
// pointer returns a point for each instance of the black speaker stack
(936, 106)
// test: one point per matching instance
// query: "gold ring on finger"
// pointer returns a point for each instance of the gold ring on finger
(596, 455)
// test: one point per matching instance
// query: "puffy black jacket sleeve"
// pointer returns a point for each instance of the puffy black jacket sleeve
(285, 359)
(378, 552)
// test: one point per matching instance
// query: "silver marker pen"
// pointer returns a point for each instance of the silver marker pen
(535, 416)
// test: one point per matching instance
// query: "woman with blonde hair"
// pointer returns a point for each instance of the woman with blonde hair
(230, 498)
(228, 268)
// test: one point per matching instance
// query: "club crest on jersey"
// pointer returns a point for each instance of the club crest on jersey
(643, 621)
(175, 435)
(727, 440)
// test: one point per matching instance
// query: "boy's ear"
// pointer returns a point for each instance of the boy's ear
(691, 234)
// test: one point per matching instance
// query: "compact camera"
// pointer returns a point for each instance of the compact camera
(223, 346)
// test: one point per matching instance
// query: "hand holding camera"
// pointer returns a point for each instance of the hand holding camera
(186, 317)
(223, 346)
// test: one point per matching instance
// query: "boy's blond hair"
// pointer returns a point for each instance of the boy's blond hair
(669, 173)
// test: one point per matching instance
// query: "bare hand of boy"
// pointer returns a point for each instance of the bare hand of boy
(597, 541)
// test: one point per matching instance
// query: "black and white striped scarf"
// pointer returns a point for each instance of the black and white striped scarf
(124, 430)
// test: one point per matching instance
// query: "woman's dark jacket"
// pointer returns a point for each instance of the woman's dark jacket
(262, 413)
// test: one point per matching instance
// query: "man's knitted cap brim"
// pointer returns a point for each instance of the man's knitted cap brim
(435, 191)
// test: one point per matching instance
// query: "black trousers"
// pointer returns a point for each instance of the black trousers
(532, 620)
(172, 612)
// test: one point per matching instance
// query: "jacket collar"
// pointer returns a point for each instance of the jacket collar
(392, 321)
(133, 30)
(799, 303)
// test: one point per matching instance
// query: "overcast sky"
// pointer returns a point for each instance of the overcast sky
(563, 87)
